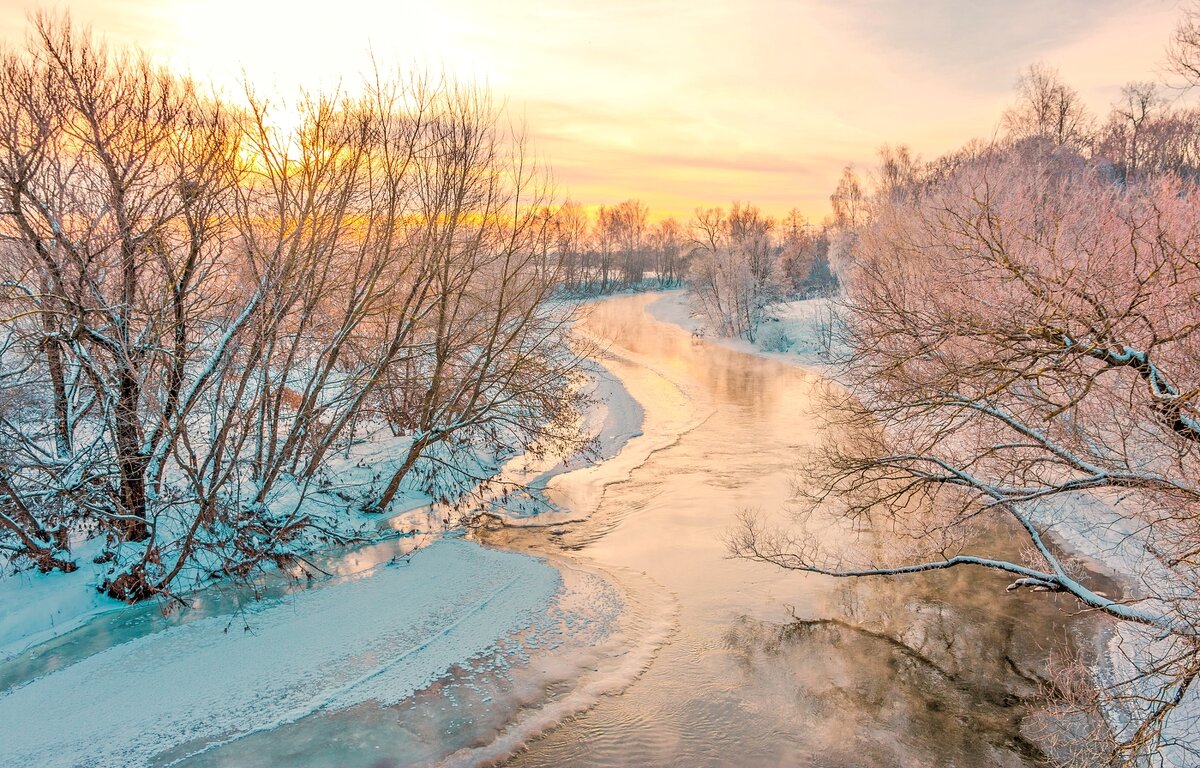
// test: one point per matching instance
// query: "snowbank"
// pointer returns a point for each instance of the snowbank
(792, 333)
(127, 690)
(379, 638)
(36, 607)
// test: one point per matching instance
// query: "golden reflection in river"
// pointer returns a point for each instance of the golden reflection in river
(770, 667)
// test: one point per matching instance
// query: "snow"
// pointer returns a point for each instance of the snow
(1111, 543)
(379, 636)
(366, 637)
(614, 420)
(37, 607)
(791, 334)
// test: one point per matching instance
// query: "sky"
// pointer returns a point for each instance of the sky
(679, 103)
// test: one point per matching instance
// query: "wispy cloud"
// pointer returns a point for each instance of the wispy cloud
(680, 102)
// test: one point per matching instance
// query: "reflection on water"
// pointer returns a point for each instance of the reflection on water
(232, 601)
(760, 666)
(770, 667)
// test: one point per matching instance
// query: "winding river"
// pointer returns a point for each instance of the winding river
(768, 667)
(658, 650)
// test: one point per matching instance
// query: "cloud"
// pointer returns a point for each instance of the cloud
(981, 44)
(681, 102)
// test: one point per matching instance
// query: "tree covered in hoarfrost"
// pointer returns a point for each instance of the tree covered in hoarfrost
(1025, 335)
(734, 273)
(199, 310)
(1047, 108)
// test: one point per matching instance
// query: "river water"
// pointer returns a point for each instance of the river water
(658, 649)
(768, 667)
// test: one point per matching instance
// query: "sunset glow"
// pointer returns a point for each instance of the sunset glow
(680, 104)
(592, 383)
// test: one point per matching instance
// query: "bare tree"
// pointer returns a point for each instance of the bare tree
(198, 309)
(1024, 356)
(571, 226)
(1126, 138)
(116, 176)
(899, 172)
(1047, 108)
(495, 368)
(1183, 51)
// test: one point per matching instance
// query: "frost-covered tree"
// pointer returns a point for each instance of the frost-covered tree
(734, 273)
(1024, 339)
(667, 244)
(198, 308)
(1047, 108)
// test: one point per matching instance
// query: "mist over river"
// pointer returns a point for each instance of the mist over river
(612, 630)
(936, 669)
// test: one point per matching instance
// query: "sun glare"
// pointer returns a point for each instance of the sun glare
(285, 47)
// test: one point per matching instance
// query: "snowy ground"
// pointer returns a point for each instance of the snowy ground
(792, 334)
(37, 607)
(315, 650)
(378, 633)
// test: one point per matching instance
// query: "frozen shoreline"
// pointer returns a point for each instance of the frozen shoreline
(36, 608)
(311, 651)
(306, 652)
(791, 328)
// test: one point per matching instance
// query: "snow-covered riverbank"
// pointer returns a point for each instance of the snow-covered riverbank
(792, 334)
(377, 633)
(380, 636)
(36, 607)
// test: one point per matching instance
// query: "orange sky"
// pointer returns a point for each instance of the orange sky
(678, 103)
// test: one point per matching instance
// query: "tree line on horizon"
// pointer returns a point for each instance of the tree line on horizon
(619, 247)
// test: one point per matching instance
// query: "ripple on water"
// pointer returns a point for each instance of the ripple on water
(598, 635)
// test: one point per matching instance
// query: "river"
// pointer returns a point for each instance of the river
(657, 649)
(768, 667)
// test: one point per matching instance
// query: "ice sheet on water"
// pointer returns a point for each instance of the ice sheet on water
(385, 637)
(594, 637)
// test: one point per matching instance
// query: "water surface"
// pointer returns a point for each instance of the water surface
(657, 649)
(769, 667)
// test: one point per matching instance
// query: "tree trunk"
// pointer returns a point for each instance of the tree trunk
(393, 486)
(132, 462)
